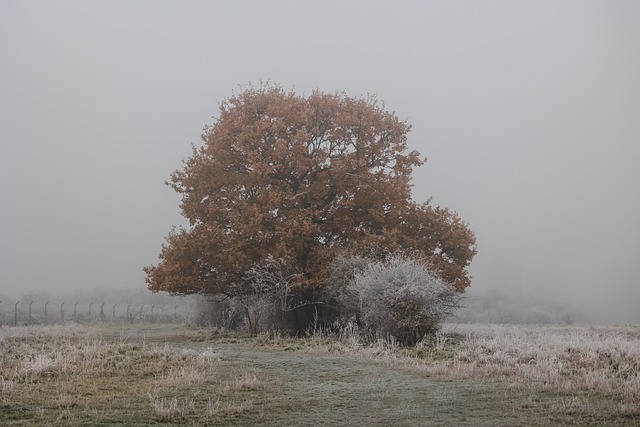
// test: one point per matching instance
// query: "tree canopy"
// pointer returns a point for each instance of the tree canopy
(284, 176)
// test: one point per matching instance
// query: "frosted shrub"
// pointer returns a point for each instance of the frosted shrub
(394, 297)
(402, 298)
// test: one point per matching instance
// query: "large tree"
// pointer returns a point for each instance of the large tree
(283, 176)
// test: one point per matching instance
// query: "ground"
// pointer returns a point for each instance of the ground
(173, 375)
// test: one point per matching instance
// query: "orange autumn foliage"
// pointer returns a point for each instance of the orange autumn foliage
(301, 178)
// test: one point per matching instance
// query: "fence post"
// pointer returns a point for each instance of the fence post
(129, 315)
(30, 302)
(45, 312)
(140, 314)
(90, 304)
(15, 313)
(113, 314)
(103, 317)
(75, 312)
(175, 312)
(61, 313)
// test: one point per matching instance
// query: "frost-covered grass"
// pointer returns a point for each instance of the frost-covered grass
(588, 372)
(593, 370)
(80, 375)
(465, 375)
(565, 358)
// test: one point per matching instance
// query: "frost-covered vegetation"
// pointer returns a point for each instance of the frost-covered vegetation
(561, 359)
(388, 295)
(81, 375)
(464, 374)
(394, 297)
(575, 372)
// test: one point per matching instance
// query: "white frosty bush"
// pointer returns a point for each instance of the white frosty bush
(400, 297)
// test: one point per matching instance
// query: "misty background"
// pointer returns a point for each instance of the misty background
(529, 114)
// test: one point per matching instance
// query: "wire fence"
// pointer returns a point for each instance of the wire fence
(21, 313)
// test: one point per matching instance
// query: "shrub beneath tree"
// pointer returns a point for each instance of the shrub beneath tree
(397, 297)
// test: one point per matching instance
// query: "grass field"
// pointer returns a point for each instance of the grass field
(467, 375)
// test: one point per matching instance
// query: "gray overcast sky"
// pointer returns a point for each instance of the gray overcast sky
(528, 111)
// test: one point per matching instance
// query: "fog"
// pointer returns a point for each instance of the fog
(528, 112)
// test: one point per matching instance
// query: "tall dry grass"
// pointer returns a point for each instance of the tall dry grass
(554, 358)
(163, 378)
